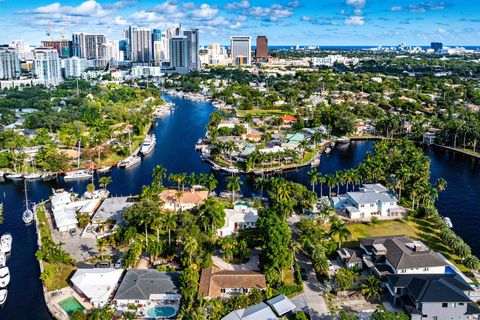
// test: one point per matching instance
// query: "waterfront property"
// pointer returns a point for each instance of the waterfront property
(371, 200)
(97, 285)
(433, 296)
(175, 200)
(153, 293)
(216, 283)
(242, 216)
(111, 209)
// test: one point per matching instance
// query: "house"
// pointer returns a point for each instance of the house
(281, 305)
(432, 296)
(97, 285)
(186, 200)
(288, 120)
(364, 127)
(429, 138)
(240, 217)
(389, 255)
(111, 209)
(65, 217)
(216, 283)
(371, 200)
(260, 311)
(351, 258)
(147, 286)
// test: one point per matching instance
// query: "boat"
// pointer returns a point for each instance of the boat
(32, 176)
(2, 173)
(4, 277)
(78, 174)
(3, 296)
(14, 176)
(231, 170)
(130, 161)
(48, 175)
(148, 144)
(104, 169)
(332, 144)
(343, 140)
(6, 243)
(328, 150)
(448, 222)
(228, 195)
(27, 215)
(315, 162)
(216, 167)
(3, 260)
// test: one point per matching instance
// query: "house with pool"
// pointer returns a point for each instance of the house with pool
(372, 200)
(242, 216)
(153, 294)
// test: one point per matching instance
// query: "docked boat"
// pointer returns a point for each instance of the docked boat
(343, 140)
(14, 176)
(6, 243)
(2, 173)
(4, 277)
(216, 167)
(104, 169)
(32, 176)
(46, 176)
(3, 296)
(78, 174)
(231, 170)
(130, 161)
(448, 222)
(27, 215)
(228, 195)
(3, 260)
(328, 150)
(148, 145)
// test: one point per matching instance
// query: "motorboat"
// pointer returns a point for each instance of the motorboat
(3, 260)
(104, 169)
(328, 150)
(216, 167)
(27, 215)
(148, 145)
(14, 176)
(48, 176)
(231, 170)
(343, 140)
(3, 296)
(78, 174)
(2, 173)
(228, 194)
(448, 222)
(4, 277)
(6, 243)
(129, 161)
(32, 176)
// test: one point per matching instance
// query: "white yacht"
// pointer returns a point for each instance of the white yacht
(4, 277)
(129, 161)
(328, 150)
(14, 176)
(148, 145)
(104, 169)
(343, 140)
(6, 243)
(3, 296)
(32, 176)
(448, 222)
(78, 174)
(3, 260)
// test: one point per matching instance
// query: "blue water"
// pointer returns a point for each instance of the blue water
(162, 311)
(176, 137)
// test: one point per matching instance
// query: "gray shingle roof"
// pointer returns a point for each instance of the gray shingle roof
(139, 284)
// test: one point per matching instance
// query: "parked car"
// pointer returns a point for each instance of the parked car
(119, 263)
(103, 264)
(304, 274)
(73, 232)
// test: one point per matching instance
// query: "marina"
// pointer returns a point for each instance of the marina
(458, 201)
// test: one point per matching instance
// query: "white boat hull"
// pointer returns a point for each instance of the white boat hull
(76, 175)
(4, 277)
(3, 296)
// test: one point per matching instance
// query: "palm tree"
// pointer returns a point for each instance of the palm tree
(284, 191)
(104, 182)
(190, 245)
(339, 229)
(145, 220)
(159, 173)
(101, 243)
(157, 221)
(330, 180)
(234, 184)
(169, 222)
(314, 176)
(371, 287)
(211, 182)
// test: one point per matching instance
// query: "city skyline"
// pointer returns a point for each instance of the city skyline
(289, 22)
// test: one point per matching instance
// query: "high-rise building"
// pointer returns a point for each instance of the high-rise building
(74, 66)
(63, 47)
(88, 46)
(180, 53)
(112, 51)
(193, 43)
(9, 64)
(436, 46)
(47, 66)
(216, 55)
(140, 47)
(261, 51)
(240, 47)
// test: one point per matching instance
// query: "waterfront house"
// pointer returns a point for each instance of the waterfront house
(260, 311)
(187, 199)
(146, 287)
(390, 255)
(216, 283)
(242, 216)
(111, 209)
(371, 200)
(288, 120)
(97, 285)
(432, 296)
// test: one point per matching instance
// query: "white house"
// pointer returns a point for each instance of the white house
(97, 285)
(371, 200)
(240, 217)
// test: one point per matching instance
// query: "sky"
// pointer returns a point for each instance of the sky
(284, 22)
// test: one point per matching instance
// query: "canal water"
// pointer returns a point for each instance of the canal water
(176, 137)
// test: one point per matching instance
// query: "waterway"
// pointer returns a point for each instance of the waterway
(176, 137)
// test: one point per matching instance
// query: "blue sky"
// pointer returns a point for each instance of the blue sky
(285, 22)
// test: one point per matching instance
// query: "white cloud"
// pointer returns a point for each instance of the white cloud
(441, 30)
(355, 21)
(204, 12)
(396, 8)
(356, 3)
(244, 4)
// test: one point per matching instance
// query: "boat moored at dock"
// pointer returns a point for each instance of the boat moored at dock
(4, 277)
(6, 243)
(148, 145)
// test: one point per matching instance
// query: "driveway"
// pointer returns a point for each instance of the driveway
(252, 264)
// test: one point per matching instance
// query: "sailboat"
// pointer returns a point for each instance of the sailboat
(78, 174)
(27, 215)
(33, 175)
(104, 168)
(132, 159)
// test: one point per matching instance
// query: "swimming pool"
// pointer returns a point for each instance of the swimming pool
(161, 312)
(70, 305)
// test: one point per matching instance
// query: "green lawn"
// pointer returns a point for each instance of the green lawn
(61, 273)
(43, 223)
(259, 112)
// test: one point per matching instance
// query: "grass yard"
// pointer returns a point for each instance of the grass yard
(43, 222)
(61, 273)
(259, 112)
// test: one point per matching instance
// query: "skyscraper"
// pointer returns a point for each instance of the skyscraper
(140, 47)
(240, 47)
(88, 46)
(180, 54)
(193, 42)
(436, 46)
(261, 51)
(74, 66)
(9, 64)
(47, 66)
(63, 47)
